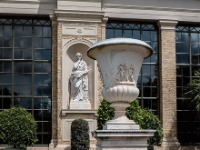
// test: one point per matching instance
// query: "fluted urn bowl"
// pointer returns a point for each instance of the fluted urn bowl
(119, 62)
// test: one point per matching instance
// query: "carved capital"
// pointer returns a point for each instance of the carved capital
(167, 24)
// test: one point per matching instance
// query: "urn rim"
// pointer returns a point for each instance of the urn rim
(119, 41)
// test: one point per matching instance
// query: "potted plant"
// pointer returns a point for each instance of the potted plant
(17, 127)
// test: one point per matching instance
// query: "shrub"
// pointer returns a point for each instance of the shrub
(104, 113)
(192, 92)
(17, 127)
(80, 139)
(145, 118)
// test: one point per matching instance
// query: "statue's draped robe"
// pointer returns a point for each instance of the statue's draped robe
(79, 81)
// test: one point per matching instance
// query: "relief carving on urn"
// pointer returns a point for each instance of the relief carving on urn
(125, 74)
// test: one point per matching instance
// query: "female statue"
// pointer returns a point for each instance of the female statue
(79, 80)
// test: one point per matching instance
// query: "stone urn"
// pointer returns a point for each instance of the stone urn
(119, 62)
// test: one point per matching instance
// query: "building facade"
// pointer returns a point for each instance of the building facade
(40, 38)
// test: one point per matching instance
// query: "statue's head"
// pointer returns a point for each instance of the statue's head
(78, 56)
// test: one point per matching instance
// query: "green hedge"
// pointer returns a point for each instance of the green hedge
(17, 127)
(80, 139)
(145, 118)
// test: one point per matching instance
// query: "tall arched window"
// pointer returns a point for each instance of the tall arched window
(187, 61)
(25, 69)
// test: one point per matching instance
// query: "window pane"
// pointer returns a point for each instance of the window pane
(38, 67)
(7, 41)
(178, 36)
(194, 37)
(118, 33)
(38, 42)
(18, 79)
(7, 66)
(38, 54)
(109, 33)
(46, 31)
(1, 42)
(146, 36)
(185, 37)
(27, 42)
(27, 31)
(47, 43)
(7, 30)
(7, 53)
(18, 42)
(128, 33)
(18, 53)
(24, 102)
(6, 89)
(153, 36)
(27, 54)
(1, 30)
(146, 69)
(37, 31)
(136, 34)
(47, 54)
(7, 78)
(6, 103)
(18, 31)
(28, 67)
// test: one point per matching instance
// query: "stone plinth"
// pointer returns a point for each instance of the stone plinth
(122, 139)
(80, 105)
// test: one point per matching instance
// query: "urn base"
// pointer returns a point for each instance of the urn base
(122, 123)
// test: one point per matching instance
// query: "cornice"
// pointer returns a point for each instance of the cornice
(151, 8)
(79, 16)
(79, 12)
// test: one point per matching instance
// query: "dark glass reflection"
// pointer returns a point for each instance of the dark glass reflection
(136, 34)
(128, 33)
(37, 31)
(178, 36)
(18, 53)
(6, 103)
(1, 41)
(146, 36)
(118, 33)
(27, 54)
(185, 37)
(7, 42)
(7, 79)
(7, 53)
(46, 54)
(8, 30)
(193, 37)
(47, 43)
(27, 31)
(46, 31)
(24, 102)
(146, 69)
(18, 31)
(27, 42)
(38, 42)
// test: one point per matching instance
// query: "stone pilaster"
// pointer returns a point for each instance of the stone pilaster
(54, 81)
(167, 64)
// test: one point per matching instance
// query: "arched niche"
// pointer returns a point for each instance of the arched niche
(68, 59)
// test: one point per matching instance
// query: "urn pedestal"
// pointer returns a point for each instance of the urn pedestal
(119, 62)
